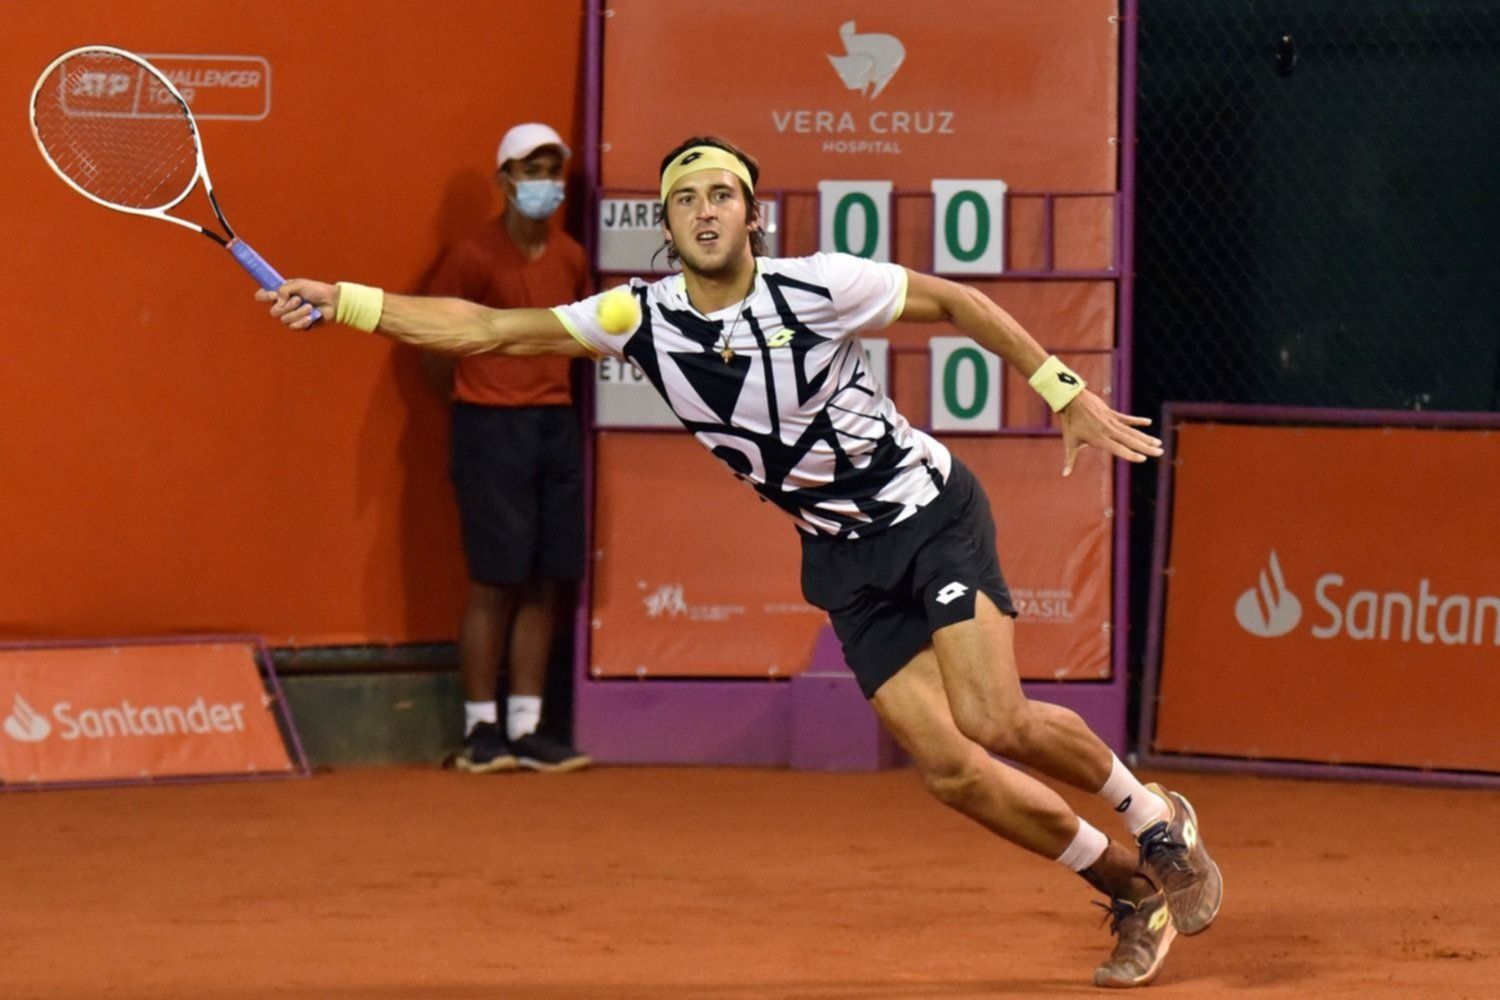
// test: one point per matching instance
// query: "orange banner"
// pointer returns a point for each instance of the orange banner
(1022, 91)
(1018, 91)
(1333, 595)
(1054, 536)
(1025, 93)
(695, 577)
(124, 713)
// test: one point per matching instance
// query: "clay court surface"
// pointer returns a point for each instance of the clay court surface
(669, 884)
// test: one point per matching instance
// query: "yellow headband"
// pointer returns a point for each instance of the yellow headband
(703, 158)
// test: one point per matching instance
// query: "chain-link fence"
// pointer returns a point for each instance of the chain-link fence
(1317, 211)
(1318, 203)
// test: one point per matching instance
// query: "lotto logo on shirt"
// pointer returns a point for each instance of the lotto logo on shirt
(742, 395)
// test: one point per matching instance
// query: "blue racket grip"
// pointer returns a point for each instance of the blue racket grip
(262, 272)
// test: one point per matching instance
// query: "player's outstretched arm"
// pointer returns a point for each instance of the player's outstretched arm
(449, 326)
(1085, 418)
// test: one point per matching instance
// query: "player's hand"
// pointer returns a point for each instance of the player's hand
(1088, 420)
(293, 302)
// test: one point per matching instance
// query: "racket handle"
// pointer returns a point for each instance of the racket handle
(264, 273)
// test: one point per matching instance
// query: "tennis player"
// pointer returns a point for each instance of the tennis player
(759, 358)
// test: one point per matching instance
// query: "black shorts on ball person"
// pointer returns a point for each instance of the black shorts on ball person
(518, 475)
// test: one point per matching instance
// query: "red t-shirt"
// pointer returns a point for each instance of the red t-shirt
(487, 267)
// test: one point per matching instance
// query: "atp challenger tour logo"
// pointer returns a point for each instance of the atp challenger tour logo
(220, 87)
(868, 64)
(1422, 615)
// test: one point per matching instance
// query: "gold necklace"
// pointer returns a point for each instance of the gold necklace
(725, 351)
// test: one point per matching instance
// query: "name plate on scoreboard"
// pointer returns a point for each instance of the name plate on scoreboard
(630, 235)
(624, 397)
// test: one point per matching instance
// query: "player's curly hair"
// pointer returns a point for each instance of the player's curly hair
(752, 207)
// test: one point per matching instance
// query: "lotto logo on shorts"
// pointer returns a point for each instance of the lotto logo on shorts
(951, 593)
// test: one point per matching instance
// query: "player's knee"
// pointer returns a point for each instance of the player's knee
(955, 784)
(1009, 732)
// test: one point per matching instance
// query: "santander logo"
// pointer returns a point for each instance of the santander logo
(1422, 614)
(26, 724)
(870, 60)
(1270, 609)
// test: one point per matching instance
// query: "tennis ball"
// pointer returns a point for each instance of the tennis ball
(619, 311)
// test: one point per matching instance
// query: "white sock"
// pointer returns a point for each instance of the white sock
(1140, 806)
(476, 712)
(522, 713)
(1088, 846)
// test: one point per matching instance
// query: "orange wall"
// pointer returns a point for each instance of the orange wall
(171, 460)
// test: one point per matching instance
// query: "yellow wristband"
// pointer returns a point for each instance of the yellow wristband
(1054, 381)
(360, 306)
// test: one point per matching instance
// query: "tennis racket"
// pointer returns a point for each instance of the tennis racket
(120, 133)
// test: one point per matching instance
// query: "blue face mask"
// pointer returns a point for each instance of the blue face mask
(538, 199)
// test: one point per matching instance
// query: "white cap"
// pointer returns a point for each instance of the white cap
(523, 140)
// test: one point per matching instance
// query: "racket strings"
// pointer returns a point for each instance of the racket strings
(115, 131)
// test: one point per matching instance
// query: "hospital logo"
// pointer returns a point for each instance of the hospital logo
(1269, 609)
(867, 66)
(869, 60)
(26, 724)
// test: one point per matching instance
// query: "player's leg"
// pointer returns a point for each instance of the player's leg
(975, 644)
(914, 708)
(977, 660)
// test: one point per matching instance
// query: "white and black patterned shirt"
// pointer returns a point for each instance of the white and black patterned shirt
(796, 411)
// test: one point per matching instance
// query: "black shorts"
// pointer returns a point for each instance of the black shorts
(888, 593)
(518, 475)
